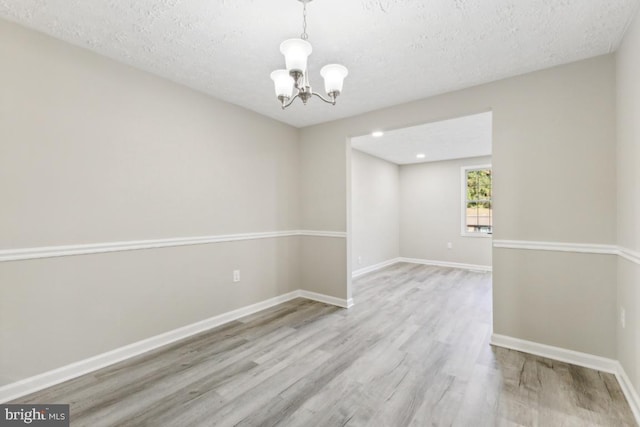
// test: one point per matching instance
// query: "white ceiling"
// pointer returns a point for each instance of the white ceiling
(396, 50)
(458, 138)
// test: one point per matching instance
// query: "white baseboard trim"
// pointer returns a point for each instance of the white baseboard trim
(374, 267)
(586, 360)
(556, 353)
(629, 391)
(340, 302)
(446, 264)
(47, 379)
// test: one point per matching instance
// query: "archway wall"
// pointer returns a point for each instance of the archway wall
(554, 160)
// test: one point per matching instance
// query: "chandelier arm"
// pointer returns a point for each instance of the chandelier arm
(297, 95)
(332, 102)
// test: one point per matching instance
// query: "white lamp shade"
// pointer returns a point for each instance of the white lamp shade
(283, 82)
(296, 52)
(333, 75)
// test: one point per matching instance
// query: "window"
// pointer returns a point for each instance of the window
(477, 212)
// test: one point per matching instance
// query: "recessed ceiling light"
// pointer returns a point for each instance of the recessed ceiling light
(420, 156)
(377, 134)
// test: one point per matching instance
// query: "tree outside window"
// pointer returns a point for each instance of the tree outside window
(478, 212)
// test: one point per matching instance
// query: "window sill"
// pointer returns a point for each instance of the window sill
(480, 235)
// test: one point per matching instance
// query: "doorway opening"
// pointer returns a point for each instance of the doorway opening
(422, 195)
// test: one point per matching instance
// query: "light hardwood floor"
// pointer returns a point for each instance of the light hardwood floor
(413, 351)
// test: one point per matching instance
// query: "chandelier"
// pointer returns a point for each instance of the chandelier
(296, 76)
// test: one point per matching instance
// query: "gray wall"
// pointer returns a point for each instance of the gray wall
(325, 187)
(375, 210)
(94, 151)
(553, 143)
(430, 214)
(410, 211)
(628, 112)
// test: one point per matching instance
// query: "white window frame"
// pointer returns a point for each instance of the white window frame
(463, 202)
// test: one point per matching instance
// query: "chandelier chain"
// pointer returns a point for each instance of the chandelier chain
(304, 35)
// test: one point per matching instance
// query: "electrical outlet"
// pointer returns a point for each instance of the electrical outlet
(623, 318)
(449, 245)
(359, 260)
(236, 275)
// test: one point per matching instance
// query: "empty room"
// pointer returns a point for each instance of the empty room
(320, 213)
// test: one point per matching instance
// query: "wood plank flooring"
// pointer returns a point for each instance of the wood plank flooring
(413, 351)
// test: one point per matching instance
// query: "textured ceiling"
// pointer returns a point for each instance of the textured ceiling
(468, 136)
(396, 50)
